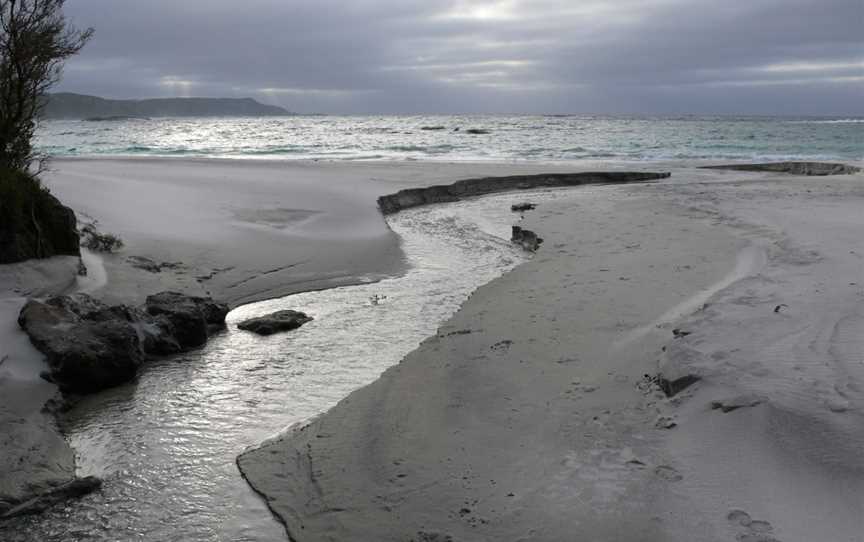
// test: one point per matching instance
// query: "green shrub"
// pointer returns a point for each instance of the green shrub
(33, 224)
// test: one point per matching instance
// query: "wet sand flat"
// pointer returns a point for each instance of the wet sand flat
(246, 230)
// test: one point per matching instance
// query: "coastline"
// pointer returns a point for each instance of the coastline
(507, 425)
(243, 231)
(199, 231)
(386, 179)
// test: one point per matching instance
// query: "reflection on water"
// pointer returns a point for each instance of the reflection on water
(166, 445)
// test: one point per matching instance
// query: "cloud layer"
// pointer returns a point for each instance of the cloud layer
(519, 56)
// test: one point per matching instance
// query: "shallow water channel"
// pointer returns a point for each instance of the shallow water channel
(166, 445)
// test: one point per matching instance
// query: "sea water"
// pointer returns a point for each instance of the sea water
(463, 137)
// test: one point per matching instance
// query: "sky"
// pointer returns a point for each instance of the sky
(790, 57)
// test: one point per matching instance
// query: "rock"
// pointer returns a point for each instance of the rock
(192, 318)
(734, 403)
(90, 346)
(675, 386)
(74, 489)
(274, 323)
(432, 128)
(146, 264)
(83, 356)
(413, 197)
(476, 131)
(527, 239)
(665, 422)
(522, 207)
(795, 168)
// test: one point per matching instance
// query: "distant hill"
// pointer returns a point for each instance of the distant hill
(66, 105)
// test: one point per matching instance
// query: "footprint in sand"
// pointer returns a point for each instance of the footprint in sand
(668, 473)
(752, 530)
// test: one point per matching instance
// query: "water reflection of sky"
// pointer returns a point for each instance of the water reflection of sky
(167, 445)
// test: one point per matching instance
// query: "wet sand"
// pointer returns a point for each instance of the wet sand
(529, 417)
(237, 230)
(246, 230)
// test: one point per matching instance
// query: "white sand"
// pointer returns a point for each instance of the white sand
(548, 436)
(247, 230)
(34, 454)
(240, 231)
(533, 425)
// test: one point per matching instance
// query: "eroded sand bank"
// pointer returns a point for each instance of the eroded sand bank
(528, 418)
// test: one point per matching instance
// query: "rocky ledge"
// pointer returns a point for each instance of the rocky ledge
(90, 346)
(275, 322)
(795, 168)
(414, 197)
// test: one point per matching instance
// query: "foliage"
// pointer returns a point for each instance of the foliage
(35, 40)
(94, 240)
(33, 224)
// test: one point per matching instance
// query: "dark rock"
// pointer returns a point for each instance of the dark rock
(734, 403)
(81, 305)
(146, 264)
(522, 207)
(795, 168)
(527, 239)
(90, 346)
(193, 318)
(433, 128)
(274, 323)
(673, 387)
(72, 490)
(414, 197)
(476, 131)
(83, 356)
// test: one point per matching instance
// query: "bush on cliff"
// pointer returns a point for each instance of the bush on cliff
(33, 223)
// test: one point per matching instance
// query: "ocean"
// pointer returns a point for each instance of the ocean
(463, 138)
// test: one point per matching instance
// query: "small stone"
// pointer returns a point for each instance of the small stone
(276, 322)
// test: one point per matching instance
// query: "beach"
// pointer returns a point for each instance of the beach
(534, 413)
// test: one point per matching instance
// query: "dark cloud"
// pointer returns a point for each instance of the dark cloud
(660, 56)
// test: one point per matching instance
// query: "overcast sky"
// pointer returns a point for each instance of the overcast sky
(459, 56)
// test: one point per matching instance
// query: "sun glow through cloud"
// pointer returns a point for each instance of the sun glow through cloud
(446, 55)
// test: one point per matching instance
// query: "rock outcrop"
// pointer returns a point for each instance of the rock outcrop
(192, 319)
(90, 346)
(527, 239)
(522, 207)
(414, 197)
(795, 168)
(275, 322)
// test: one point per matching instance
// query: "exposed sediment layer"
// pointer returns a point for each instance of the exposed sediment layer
(795, 168)
(414, 197)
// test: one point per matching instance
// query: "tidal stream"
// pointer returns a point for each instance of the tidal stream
(166, 445)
